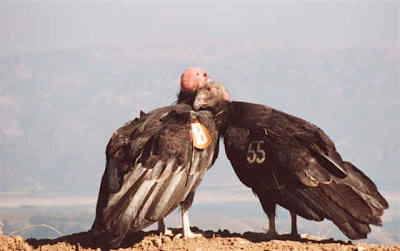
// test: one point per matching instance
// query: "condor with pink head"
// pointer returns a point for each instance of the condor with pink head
(156, 162)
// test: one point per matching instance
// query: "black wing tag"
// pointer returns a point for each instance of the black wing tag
(255, 152)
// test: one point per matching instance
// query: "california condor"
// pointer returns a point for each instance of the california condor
(288, 161)
(155, 162)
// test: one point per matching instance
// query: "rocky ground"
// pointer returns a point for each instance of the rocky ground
(221, 240)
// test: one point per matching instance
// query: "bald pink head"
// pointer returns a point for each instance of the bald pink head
(193, 78)
(226, 96)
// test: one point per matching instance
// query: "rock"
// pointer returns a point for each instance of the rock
(166, 239)
(195, 229)
(27, 247)
(225, 233)
(18, 238)
(178, 236)
(360, 248)
(157, 242)
(241, 241)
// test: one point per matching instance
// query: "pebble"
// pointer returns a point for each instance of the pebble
(18, 238)
(208, 234)
(27, 247)
(157, 242)
(166, 239)
(225, 232)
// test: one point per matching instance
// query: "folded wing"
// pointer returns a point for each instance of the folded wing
(151, 168)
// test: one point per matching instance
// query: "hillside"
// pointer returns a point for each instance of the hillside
(70, 102)
(221, 240)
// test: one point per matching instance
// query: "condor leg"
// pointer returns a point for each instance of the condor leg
(186, 232)
(294, 232)
(162, 228)
(269, 209)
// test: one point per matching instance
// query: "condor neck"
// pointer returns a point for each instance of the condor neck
(229, 118)
(186, 98)
(221, 117)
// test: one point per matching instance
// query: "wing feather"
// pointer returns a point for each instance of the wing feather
(166, 171)
(150, 160)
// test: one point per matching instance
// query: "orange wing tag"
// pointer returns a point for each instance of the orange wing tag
(200, 136)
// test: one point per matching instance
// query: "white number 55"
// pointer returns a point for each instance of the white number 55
(252, 155)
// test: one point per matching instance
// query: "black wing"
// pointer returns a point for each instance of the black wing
(293, 162)
(151, 168)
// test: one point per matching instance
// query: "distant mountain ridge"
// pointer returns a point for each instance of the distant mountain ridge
(60, 108)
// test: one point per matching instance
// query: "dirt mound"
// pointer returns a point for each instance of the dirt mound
(221, 240)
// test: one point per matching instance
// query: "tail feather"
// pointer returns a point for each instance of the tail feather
(336, 211)
(366, 189)
(295, 201)
(348, 200)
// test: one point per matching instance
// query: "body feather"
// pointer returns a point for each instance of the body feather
(302, 170)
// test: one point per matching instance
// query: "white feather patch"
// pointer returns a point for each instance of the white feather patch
(137, 199)
(191, 185)
(133, 206)
(129, 180)
(140, 219)
(166, 196)
(195, 163)
(167, 171)
(157, 169)
(181, 168)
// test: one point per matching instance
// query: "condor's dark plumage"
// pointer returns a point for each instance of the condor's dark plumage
(293, 163)
(152, 167)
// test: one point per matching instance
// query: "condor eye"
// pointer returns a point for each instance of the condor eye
(205, 75)
(209, 88)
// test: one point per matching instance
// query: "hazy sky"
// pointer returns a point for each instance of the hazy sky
(334, 64)
(28, 26)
